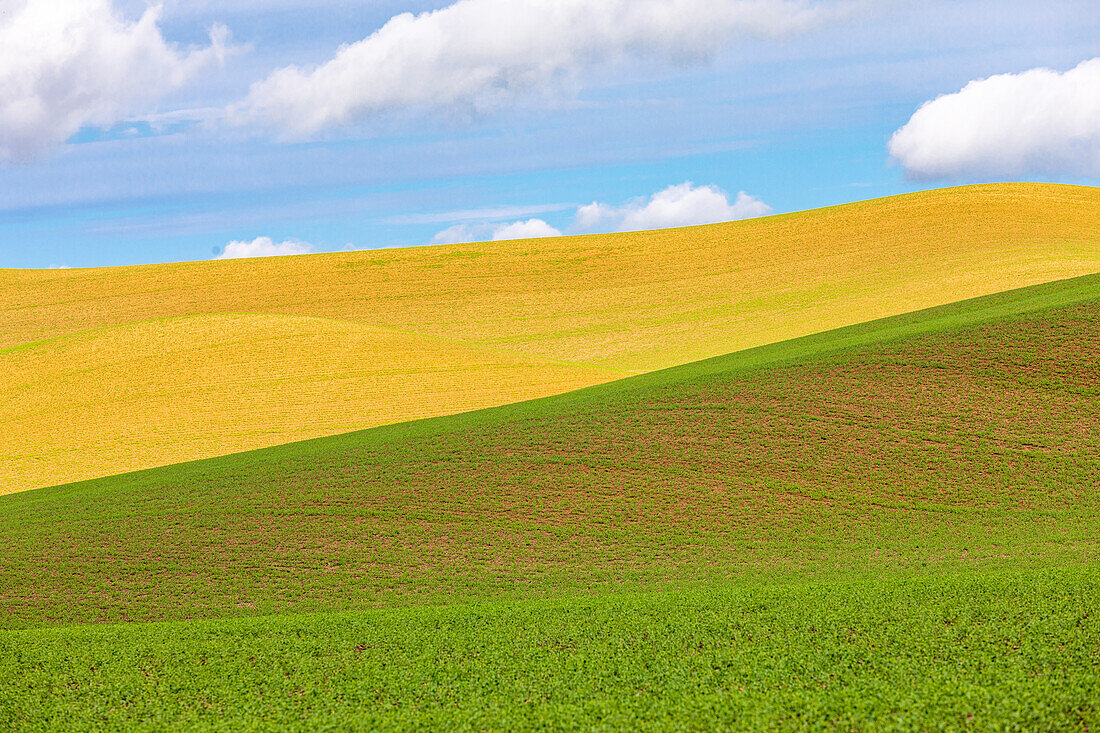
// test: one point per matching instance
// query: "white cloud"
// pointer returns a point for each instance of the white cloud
(530, 229)
(69, 63)
(675, 206)
(264, 247)
(457, 234)
(462, 233)
(474, 55)
(1039, 122)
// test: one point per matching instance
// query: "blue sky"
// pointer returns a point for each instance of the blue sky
(793, 103)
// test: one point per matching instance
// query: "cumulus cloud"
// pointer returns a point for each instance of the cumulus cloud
(264, 247)
(461, 233)
(530, 229)
(457, 234)
(1039, 122)
(474, 55)
(676, 206)
(65, 64)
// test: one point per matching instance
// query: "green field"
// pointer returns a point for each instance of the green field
(891, 524)
(990, 651)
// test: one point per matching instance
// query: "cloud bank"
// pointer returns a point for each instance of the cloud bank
(682, 205)
(264, 247)
(1037, 122)
(475, 55)
(65, 64)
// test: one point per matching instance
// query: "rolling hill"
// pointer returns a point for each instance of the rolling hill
(145, 366)
(967, 435)
(204, 385)
(887, 526)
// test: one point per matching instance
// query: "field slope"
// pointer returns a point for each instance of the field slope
(145, 366)
(890, 526)
(964, 436)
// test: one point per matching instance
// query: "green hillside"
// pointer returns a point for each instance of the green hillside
(963, 436)
(891, 525)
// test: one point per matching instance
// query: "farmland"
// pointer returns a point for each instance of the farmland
(961, 436)
(549, 365)
(885, 525)
(1006, 650)
(890, 525)
(153, 365)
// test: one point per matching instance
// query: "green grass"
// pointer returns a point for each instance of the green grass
(888, 525)
(1001, 651)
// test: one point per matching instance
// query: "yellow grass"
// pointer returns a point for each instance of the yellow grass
(100, 374)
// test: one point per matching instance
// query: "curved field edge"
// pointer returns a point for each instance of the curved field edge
(973, 312)
(536, 317)
(988, 651)
(964, 436)
(188, 387)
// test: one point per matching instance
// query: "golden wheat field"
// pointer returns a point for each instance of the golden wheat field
(115, 369)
